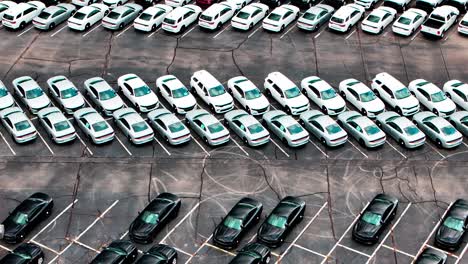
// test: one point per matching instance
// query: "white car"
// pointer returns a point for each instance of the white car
(215, 16)
(401, 129)
(286, 128)
(247, 127)
(248, 95)
(249, 16)
(367, 4)
(133, 126)
(323, 95)
(152, 18)
(176, 94)
(18, 16)
(93, 125)
(286, 93)
(395, 94)
(207, 127)
(361, 97)
(138, 92)
(378, 19)
(211, 91)
(6, 100)
(432, 97)
(5, 5)
(346, 17)
(18, 125)
(181, 18)
(114, 3)
(83, 2)
(460, 121)
(324, 128)
(440, 21)
(177, 3)
(366, 132)
(463, 26)
(315, 17)
(66, 93)
(169, 126)
(409, 22)
(458, 92)
(57, 125)
(438, 129)
(280, 18)
(240, 3)
(31, 94)
(103, 95)
(87, 16)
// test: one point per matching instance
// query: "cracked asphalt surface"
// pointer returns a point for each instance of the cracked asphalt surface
(111, 183)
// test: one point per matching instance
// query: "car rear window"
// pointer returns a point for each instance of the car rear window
(60, 126)
(373, 18)
(309, 16)
(205, 17)
(140, 126)
(411, 130)
(215, 128)
(100, 126)
(176, 127)
(274, 17)
(295, 129)
(243, 15)
(333, 129)
(169, 21)
(404, 21)
(8, 17)
(79, 15)
(44, 15)
(113, 15)
(145, 17)
(337, 20)
(372, 129)
(255, 128)
(464, 23)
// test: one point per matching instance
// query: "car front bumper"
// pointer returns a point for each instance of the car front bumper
(224, 108)
(298, 111)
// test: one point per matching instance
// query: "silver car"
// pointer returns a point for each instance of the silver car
(31, 94)
(315, 17)
(57, 125)
(460, 121)
(438, 129)
(207, 127)
(286, 128)
(18, 125)
(103, 95)
(93, 125)
(169, 126)
(133, 126)
(6, 100)
(52, 16)
(121, 16)
(324, 128)
(401, 129)
(247, 127)
(366, 132)
(65, 93)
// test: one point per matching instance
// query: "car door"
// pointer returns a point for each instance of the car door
(355, 129)
(21, 93)
(256, 16)
(275, 126)
(460, 98)
(424, 97)
(431, 130)
(314, 95)
(166, 93)
(55, 92)
(128, 92)
(386, 19)
(47, 125)
(94, 95)
(354, 98)
(199, 127)
(127, 16)
(9, 125)
(277, 94)
(59, 16)
(189, 18)
(160, 126)
(124, 125)
(417, 21)
(29, 14)
(317, 128)
(394, 130)
(85, 126)
(387, 95)
(237, 93)
(288, 18)
(239, 128)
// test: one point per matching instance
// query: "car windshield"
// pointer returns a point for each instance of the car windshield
(411, 130)
(252, 94)
(180, 92)
(274, 17)
(464, 23)
(217, 90)
(145, 17)
(150, 217)
(373, 19)
(20, 218)
(292, 92)
(205, 17)
(140, 126)
(176, 127)
(22, 125)
(3, 92)
(99, 126)
(233, 223)
(337, 20)
(371, 218)
(402, 93)
(309, 16)
(438, 97)
(34, 93)
(449, 130)
(215, 128)
(69, 93)
(106, 95)
(79, 15)
(372, 129)
(333, 129)
(295, 129)
(367, 96)
(328, 94)
(255, 128)
(169, 21)
(3, 7)
(22, 256)
(277, 221)
(243, 15)
(113, 15)
(404, 20)
(454, 223)
(44, 15)
(62, 125)
(141, 91)
(464, 121)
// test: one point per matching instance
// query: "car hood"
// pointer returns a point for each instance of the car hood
(112, 104)
(225, 234)
(186, 101)
(73, 102)
(445, 106)
(409, 101)
(6, 101)
(11, 228)
(141, 229)
(297, 101)
(221, 99)
(258, 103)
(39, 102)
(270, 233)
(374, 105)
(448, 235)
(334, 103)
(147, 99)
(364, 229)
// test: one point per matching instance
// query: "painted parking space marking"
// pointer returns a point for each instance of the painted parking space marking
(278, 146)
(186, 33)
(25, 31)
(122, 144)
(320, 33)
(150, 35)
(352, 144)
(198, 250)
(89, 31)
(58, 31)
(354, 250)
(352, 33)
(8, 144)
(393, 147)
(240, 147)
(220, 249)
(55, 219)
(291, 28)
(85, 246)
(47, 145)
(253, 33)
(200, 145)
(310, 251)
(179, 223)
(5, 248)
(437, 151)
(225, 28)
(316, 146)
(84, 144)
(123, 31)
(399, 251)
(44, 246)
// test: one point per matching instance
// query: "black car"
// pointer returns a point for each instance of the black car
(46, 2)
(26, 216)
(254, 253)
(241, 218)
(450, 233)
(287, 214)
(334, 3)
(154, 217)
(159, 254)
(375, 218)
(146, 3)
(304, 3)
(27, 253)
(431, 256)
(119, 251)
(462, 6)
(273, 3)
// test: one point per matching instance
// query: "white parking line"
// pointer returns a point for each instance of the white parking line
(399, 251)
(58, 31)
(323, 152)
(350, 34)
(220, 249)
(8, 144)
(124, 235)
(318, 35)
(222, 31)
(255, 31)
(91, 30)
(181, 251)
(301, 233)
(310, 250)
(179, 223)
(200, 145)
(462, 254)
(123, 31)
(150, 35)
(186, 33)
(388, 233)
(5, 248)
(198, 250)
(126, 149)
(84, 144)
(241, 148)
(55, 219)
(51, 151)
(415, 35)
(354, 250)
(437, 151)
(466, 145)
(399, 152)
(278, 146)
(344, 234)
(19, 35)
(162, 146)
(44, 246)
(86, 246)
(291, 28)
(358, 149)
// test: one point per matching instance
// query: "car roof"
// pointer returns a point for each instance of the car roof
(132, 117)
(285, 208)
(93, 117)
(358, 87)
(396, 84)
(250, 9)
(133, 80)
(216, 9)
(378, 206)
(206, 78)
(208, 119)
(402, 122)
(324, 120)
(437, 121)
(379, 12)
(319, 83)
(19, 8)
(153, 9)
(178, 12)
(16, 117)
(52, 9)
(443, 10)
(286, 120)
(248, 120)
(281, 10)
(429, 87)
(121, 9)
(281, 80)
(411, 13)
(344, 11)
(56, 117)
(172, 82)
(168, 118)
(245, 84)
(28, 84)
(63, 84)
(100, 85)
(363, 121)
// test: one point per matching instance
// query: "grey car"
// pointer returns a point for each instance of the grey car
(460, 121)
(52, 16)
(315, 17)
(121, 16)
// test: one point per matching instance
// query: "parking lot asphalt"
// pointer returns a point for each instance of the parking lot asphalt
(98, 190)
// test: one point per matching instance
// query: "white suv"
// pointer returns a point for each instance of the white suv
(216, 15)
(211, 91)
(19, 16)
(286, 93)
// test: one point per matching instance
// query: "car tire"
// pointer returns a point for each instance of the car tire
(248, 110)
(448, 95)
(324, 142)
(398, 110)
(453, 123)
(212, 108)
(245, 141)
(435, 112)
(282, 28)
(361, 141)
(342, 93)
(288, 111)
(206, 140)
(119, 3)
(439, 143)
(153, 28)
(87, 26)
(267, 260)
(174, 261)
(364, 112)
(219, 26)
(121, 26)
(40, 260)
(401, 142)
(324, 110)
(250, 26)
(267, 91)
(380, 30)
(376, 92)
(22, 26)
(183, 28)
(285, 141)
(51, 26)
(378, 123)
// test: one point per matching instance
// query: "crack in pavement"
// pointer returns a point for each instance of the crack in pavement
(21, 55)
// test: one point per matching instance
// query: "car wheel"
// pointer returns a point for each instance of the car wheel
(121, 26)
(174, 261)
(398, 110)
(40, 260)
(378, 123)
(166, 139)
(439, 143)
(119, 3)
(361, 141)
(285, 141)
(22, 25)
(435, 112)
(245, 141)
(402, 143)
(212, 108)
(324, 110)
(343, 94)
(183, 28)
(448, 95)
(453, 123)
(278, 3)
(282, 28)
(51, 26)
(267, 91)
(248, 110)
(267, 259)
(250, 26)
(218, 26)
(87, 26)
(288, 110)
(153, 28)
(364, 112)
(380, 30)
(324, 142)
(376, 92)
(206, 140)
